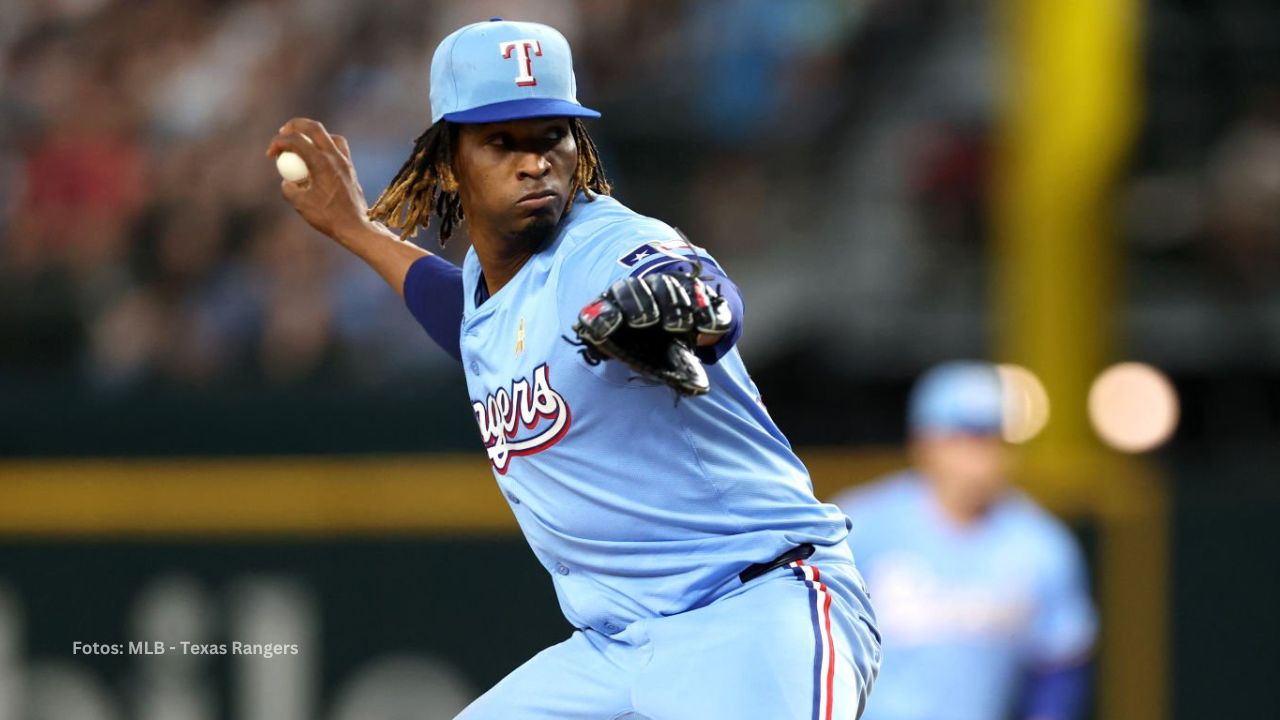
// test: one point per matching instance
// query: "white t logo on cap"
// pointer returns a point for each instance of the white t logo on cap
(525, 50)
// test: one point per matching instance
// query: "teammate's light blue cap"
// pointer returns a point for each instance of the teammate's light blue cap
(501, 70)
(958, 397)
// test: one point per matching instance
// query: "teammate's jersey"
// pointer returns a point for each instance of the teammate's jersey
(638, 505)
(966, 613)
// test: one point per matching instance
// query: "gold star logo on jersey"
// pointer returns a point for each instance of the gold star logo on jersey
(520, 338)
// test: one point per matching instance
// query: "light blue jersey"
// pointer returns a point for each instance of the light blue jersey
(966, 613)
(646, 511)
(639, 506)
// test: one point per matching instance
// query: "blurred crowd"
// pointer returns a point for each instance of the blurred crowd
(1201, 210)
(142, 238)
(141, 233)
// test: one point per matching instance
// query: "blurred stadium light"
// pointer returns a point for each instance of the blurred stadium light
(1133, 407)
(1026, 404)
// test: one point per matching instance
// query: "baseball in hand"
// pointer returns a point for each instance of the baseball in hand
(291, 167)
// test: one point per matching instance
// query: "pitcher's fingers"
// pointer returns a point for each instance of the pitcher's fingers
(313, 130)
(343, 147)
(296, 143)
(292, 190)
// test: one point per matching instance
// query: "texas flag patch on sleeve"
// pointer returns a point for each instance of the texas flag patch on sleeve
(675, 249)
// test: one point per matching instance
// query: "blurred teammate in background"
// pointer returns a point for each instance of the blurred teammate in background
(983, 598)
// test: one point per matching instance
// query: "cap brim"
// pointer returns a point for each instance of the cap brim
(519, 110)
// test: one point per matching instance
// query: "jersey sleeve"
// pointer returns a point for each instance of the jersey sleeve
(1057, 693)
(1065, 625)
(638, 250)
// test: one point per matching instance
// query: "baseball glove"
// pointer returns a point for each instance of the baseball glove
(652, 324)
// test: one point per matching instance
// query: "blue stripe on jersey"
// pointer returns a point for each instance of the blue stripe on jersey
(817, 641)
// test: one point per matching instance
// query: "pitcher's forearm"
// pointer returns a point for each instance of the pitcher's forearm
(382, 250)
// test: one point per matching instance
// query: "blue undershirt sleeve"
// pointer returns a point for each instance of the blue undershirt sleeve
(433, 294)
(1057, 693)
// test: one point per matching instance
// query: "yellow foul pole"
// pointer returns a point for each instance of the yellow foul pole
(1068, 118)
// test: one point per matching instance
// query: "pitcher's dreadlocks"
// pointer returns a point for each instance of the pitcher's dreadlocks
(426, 184)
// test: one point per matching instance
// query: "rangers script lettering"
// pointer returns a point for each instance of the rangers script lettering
(501, 415)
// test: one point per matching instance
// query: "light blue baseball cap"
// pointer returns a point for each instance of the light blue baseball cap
(502, 70)
(958, 397)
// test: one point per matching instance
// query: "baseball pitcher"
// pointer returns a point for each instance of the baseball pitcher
(700, 574)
